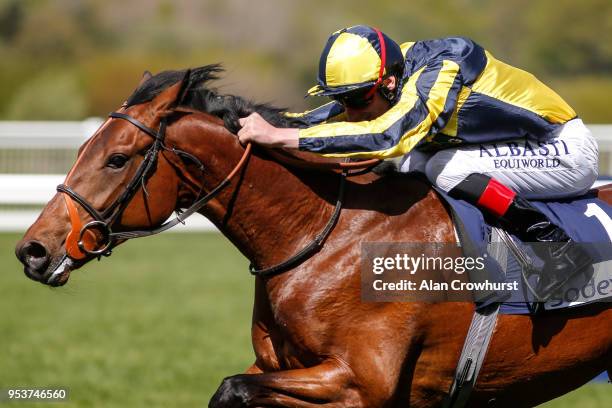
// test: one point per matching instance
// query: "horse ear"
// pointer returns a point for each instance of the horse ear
(145, 77)
(172, 96)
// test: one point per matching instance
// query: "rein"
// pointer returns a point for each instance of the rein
(82, 240)
(314, 246)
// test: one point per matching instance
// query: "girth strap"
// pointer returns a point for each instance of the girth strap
(478, 337)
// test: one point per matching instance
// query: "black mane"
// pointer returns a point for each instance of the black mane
(197, 96)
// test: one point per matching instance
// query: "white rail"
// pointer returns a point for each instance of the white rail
(28, 190)
(46, 134)
(36, 189)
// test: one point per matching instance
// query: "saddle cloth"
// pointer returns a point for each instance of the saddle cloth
(586, 219)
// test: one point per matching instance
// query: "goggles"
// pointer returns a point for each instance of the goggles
(357, 99)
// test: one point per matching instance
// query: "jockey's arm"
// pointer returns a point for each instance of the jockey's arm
(324, 113)
(428, 99)
(255, 129)
(258, 130)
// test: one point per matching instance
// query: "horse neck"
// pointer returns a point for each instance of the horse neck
(269, 211)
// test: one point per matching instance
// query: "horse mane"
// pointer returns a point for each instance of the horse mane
(197, 96)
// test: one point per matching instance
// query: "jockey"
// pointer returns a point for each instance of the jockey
(479, 129)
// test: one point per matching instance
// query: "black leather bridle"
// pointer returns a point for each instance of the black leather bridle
(103, 220)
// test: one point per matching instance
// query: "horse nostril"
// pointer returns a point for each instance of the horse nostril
(34, 255)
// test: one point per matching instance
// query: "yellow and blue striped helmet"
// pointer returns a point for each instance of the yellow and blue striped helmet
(356, 57)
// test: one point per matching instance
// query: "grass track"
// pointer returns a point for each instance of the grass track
(158, 324)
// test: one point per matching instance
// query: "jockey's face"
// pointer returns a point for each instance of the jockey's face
(375, 108)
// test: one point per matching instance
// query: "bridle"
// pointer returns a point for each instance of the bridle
(81, 239)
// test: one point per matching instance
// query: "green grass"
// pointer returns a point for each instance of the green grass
(592, 395)
(158, 324)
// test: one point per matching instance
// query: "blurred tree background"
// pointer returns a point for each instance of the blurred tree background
(70, 59)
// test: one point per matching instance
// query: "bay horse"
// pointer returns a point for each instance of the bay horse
(315, 342)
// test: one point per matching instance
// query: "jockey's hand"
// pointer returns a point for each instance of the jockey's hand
(257, 130)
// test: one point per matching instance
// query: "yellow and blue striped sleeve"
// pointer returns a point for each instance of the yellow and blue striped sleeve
(427, 101)
(318, 115)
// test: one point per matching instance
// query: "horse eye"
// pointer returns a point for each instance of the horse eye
(116, 161)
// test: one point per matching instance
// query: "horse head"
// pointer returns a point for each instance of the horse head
(128, 178)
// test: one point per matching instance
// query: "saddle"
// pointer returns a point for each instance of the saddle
(587, 219)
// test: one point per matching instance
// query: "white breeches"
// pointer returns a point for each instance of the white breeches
(564, 166)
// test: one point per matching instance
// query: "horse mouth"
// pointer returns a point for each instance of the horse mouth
(57, 273)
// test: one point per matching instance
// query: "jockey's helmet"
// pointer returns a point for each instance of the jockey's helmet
(356, 58)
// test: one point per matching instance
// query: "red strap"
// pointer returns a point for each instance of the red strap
(383, 62)
(496, 198)
(72, 240)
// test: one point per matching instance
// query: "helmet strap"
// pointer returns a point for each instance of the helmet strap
(383, 62)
